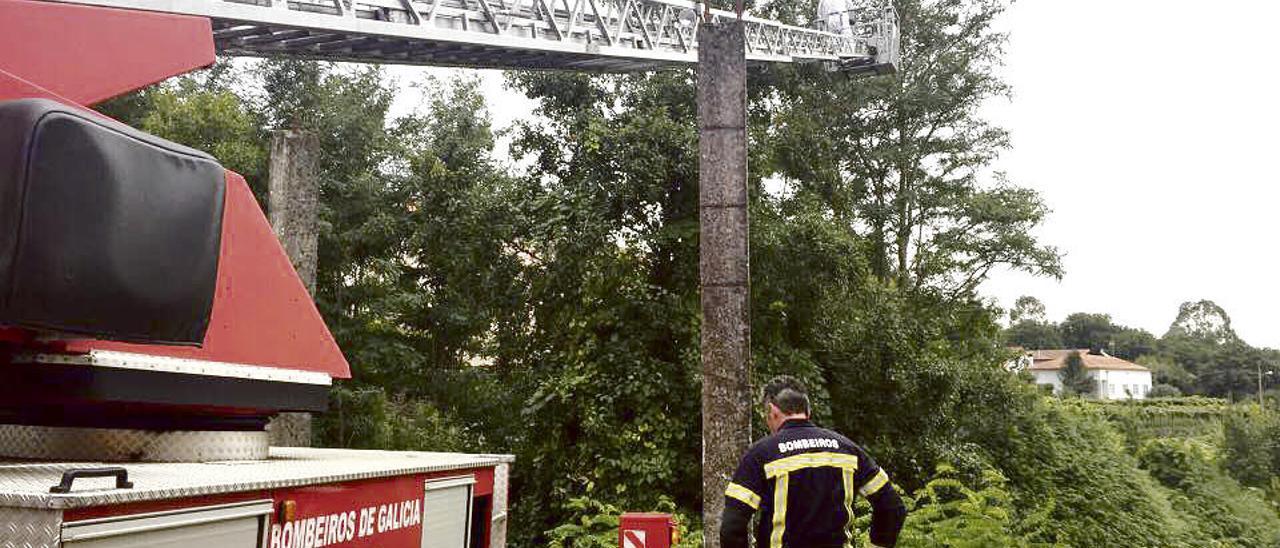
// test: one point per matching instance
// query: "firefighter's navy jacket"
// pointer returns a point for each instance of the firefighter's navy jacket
(803, 480)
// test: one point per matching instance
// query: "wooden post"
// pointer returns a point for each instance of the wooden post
(723, 262)
(293, 200)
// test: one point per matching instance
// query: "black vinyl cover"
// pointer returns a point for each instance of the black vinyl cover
(104, 230)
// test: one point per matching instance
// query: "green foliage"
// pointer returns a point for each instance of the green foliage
(1075, 379)
(1098, 332)
(553, 313)
(1033, 335)
(1203, 320)
(946, 512)
(1168, 372)
(1176, 462)
(1251, 446)
(594, 524)
(1219, 510)
(899, 160)
(1184, 417)
(1087, 331)
(1164, 391)
(1075, 484)
(609, 358)
(368, 418)
(1027, 308)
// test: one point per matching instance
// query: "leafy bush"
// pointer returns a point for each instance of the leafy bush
(366, 418)
(1074, 483)
(594, 524)
(1219, 510)
(1251, 445)
(1176, 462)
(946, 512)
(1164, 391)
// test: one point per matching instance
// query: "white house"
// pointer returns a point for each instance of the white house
(1116, 378)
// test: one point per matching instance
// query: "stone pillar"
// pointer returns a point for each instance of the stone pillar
(723, 263)
(293, 200)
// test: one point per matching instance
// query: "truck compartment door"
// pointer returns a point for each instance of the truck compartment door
(239, 525)
(446, 513)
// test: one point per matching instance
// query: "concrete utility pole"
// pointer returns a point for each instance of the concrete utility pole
(1262, 404)
(723, 264)
(293, 200)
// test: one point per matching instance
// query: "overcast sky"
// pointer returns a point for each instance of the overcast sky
(1147, 126)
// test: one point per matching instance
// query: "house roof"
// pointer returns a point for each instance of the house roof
(1052, 360)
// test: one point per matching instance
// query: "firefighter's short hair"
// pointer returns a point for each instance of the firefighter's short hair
(788, 394)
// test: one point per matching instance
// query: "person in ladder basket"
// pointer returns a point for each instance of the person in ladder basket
(802, 480)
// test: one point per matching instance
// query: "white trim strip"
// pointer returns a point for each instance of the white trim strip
(144, 362)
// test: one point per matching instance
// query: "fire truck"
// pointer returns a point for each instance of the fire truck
(151, 324)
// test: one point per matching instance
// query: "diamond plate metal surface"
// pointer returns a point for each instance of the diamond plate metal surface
(498, 527)
(127, 445)
(27, 484)
(145, 362)
(30, 528)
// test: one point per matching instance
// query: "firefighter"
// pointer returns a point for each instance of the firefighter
(802, 480)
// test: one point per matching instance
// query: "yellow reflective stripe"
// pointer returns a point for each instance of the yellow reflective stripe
(746, 496)
(875, 484)
(779, 510)
(848, 506)
(790, 464)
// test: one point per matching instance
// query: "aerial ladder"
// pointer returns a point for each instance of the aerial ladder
(148, 314)
(584, 35)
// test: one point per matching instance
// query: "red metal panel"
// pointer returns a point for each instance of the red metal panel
(90, 54)
(385, 512)
(382, 512)
(13, 86)
(645, 530)
(262, 314)
(332, 490)
(484, 482)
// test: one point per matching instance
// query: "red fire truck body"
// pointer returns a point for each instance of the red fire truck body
(296, 498)
(151, 325)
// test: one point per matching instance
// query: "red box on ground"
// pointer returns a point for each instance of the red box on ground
(646, 530)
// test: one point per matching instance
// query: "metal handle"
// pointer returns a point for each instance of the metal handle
(70, 476)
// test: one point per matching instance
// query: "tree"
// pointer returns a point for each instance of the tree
(1201, 342)
(862, 282)
(1131, 343)
(1033, 335)
(901, 161)
(1233, 371)
(553, 313)
(1098, 332)
(1028, 327)
(609, 355)
(1168, 372)
(1075, 378)
(1027, 309)
(1088, 331)
(1203, 319)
